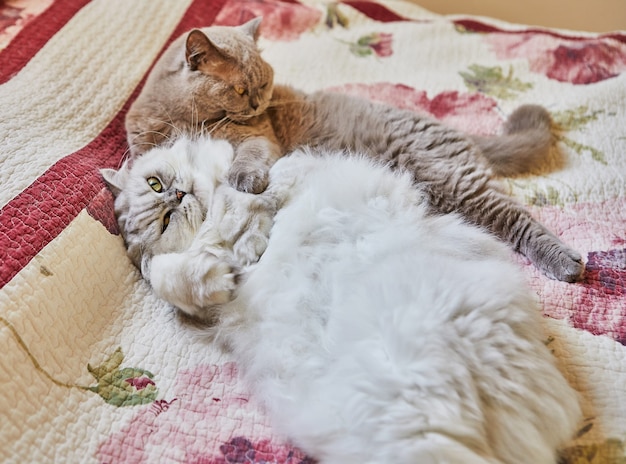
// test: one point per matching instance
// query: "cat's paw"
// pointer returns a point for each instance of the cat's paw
(252, 243)
(249, 248)
(194, 283)
(565, 265)
(216, 282)
(248, 178)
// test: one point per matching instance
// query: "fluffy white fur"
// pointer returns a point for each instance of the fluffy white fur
(372, 331)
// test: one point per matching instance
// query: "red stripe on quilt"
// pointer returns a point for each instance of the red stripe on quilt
(42, 211)
(472, 25)
(375, 11)
(35, 35)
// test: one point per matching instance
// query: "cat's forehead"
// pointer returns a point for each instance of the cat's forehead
(225, 36)
(184, 159)
(235, 43)
(154, 161)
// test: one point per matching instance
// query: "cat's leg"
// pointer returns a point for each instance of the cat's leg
(251, 244)
(512, 223)
(454, 176)
(193, 281)
(245, 221)
(253, 159)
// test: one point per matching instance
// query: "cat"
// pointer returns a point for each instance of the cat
(371, 330)
(215, 81)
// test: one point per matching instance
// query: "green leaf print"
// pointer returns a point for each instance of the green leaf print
(122, 387)
(376, 43)
(493, 82)
(117, 386)
(111, 364)
(576, 120)
(334, 17)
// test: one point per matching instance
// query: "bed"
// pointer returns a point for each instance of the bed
(95, 368)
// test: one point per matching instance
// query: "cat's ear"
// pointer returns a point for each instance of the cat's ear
(251, 28)
(114, 179)
(199, 49)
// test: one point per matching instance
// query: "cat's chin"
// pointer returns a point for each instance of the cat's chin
(245, 117)
(241, 118)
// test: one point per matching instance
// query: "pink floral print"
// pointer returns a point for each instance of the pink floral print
(15, 14)
(208, 420)
(242, 450)
(596, 304)
(565, 60)
(281, 20)
(376, 43)
(471, 112)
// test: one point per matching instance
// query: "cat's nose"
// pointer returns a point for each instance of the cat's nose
(254, 103)
(180, 195)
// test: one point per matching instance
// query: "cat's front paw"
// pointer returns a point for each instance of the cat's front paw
(565, 265)
(249, 248)
(246, 224)
(193, 283)
(248, 178)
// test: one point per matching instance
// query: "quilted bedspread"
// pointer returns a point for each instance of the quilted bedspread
(95, 368)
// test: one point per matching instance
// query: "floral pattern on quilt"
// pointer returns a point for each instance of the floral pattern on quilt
(565, 60)
(473, 112)
(202, 396)
(281, 20)
(15, 14)
(116, 385)
(576, 60)
(201, 412)
(375, 44)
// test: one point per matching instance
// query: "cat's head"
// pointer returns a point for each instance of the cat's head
(225, 71)
(206, 75)
(162, 197)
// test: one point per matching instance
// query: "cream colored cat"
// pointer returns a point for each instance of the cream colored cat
(215, 81)
(371, 330)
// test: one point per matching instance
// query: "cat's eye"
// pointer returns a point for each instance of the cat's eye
(239, 89)
(155, 184)
(166, 221)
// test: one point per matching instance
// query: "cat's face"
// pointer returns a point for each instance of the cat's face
(226, 72)
(162, 198)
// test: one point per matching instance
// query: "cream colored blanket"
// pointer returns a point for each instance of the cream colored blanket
(94, 368)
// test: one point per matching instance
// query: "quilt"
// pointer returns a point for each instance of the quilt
(95, 368)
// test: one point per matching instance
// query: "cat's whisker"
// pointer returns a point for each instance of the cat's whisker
(126, 156)
(216, 125)
(140, 140)
(174, 129)
(158, 134)
(141, 144)
(195, 119)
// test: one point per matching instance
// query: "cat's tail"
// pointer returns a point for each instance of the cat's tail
(524, 143)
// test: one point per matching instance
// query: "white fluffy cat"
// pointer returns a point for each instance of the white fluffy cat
(372, 331)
